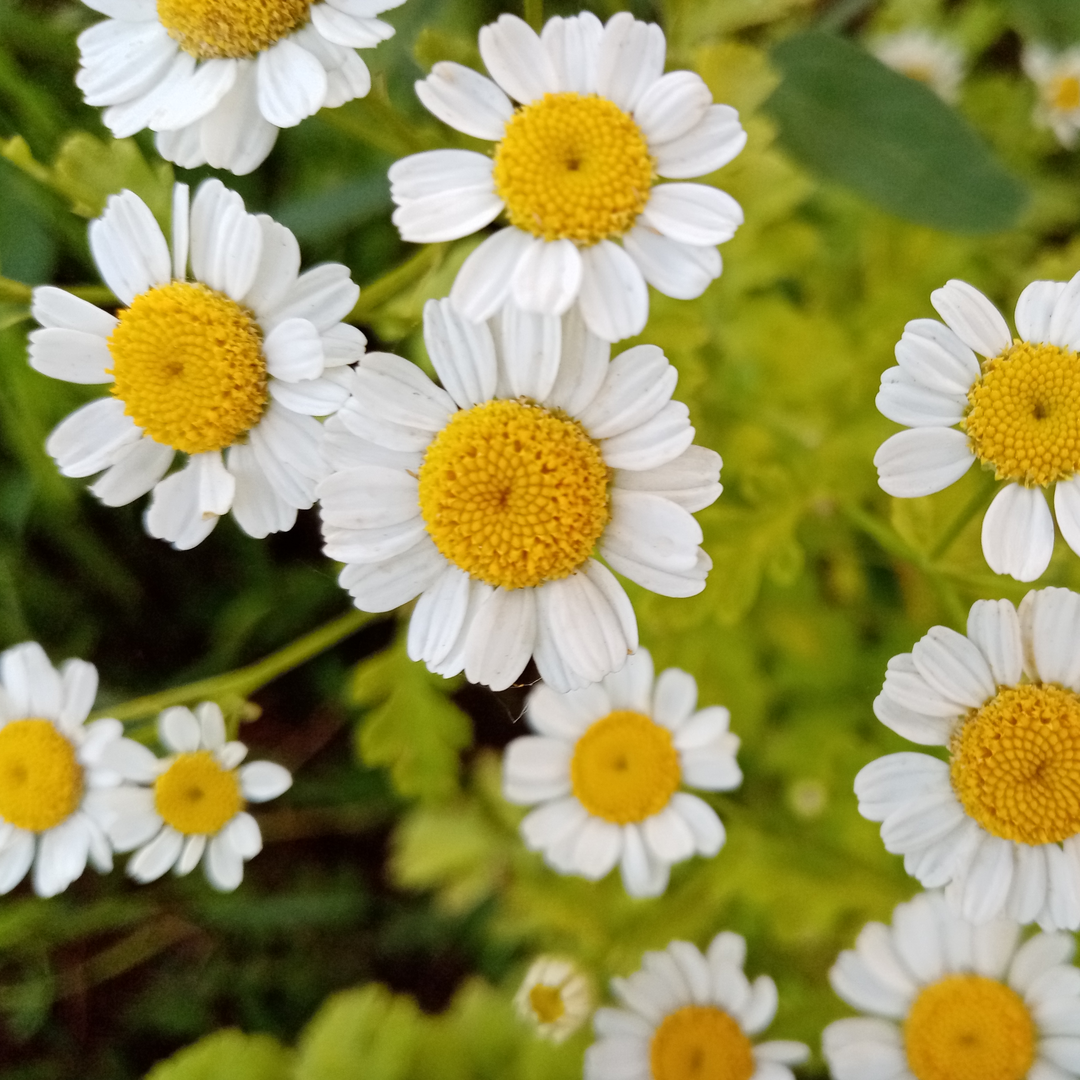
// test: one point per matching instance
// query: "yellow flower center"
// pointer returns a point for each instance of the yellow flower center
(189, 366)
(196, 796)
(1065, 93)
(700, 1042)
(41, 780)
(573, 168)
(514, 494)
(625, 768)
(218, 29)
(1025, 414)
(547, 1003)
(965, 1027)
(1016, 764)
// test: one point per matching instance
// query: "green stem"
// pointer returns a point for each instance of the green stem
(15, 292)
(379, 292)
(534, 14)
(884, 535)
(976, 503)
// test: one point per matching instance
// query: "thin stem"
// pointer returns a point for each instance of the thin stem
(373, 296)
(15, 292)
(959, 523)
(534, 14)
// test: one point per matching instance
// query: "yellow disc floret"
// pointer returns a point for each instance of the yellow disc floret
(514, 494)
(189, 366)
(1025, 414)
(573, 167)
(625, 768)
(700, 1042)
(547, 1003)
(1016, 764)
(966, 1027)
(1064, 93)
(221, 29)
(196, 795)
(41, 780)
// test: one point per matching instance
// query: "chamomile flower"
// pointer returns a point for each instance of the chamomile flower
(229, 367)
(1057, 78)
(216, 79)
(190, 806)
(606, 767)
(998, 823)
(925, 57)
(686, 1015)
(488, 498)
(556, 997)
(952, 1001)
(574, 170)
(1018, 414)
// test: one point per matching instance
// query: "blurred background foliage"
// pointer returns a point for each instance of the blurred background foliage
(384, 929)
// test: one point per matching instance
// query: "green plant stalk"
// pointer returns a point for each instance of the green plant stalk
(976, 503)
(386, 288)
(15, 292)
(534, 14)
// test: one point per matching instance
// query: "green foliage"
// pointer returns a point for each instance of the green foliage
(228, 1055)
(1055, 22)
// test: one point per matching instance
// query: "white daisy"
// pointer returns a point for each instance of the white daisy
(216, 79)
(556, 996)
(606, 767)
(1057, 79)
(240, 358)
(925, 57)
(686, 1016)
(953, 1001)
(998, 823)
(1017, 414)
(487, 498)
(574, 169)
(194, 805)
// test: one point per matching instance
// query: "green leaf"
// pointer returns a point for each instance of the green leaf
(850, 119)
(228, 1055)
(1055, 22)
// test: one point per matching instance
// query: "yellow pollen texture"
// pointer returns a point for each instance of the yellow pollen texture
(1016, 764)
(189, 367)
(41, 780)
(573, 167)
(625, 768)
(514, 494)
(196, 796)
(1025, 414)
(1065, 93)
(700, 1042)
(230, 29)
(966, 1027)
(547, 1003)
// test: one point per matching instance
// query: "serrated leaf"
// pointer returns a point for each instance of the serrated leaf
(228, 1055)
(850, 119)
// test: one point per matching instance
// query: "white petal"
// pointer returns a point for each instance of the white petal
(658, 441)
(438, 617)
(705, 826)
(922, 460)
(1028, 892)
(462, 353)
(971, 316)
(890, 782)
(1067, 510)
(236, 136)
(465, 100)
(548, 277)
(338, 25)
(1034, 309)
(156, 858)
(761, 1008)
(501, 638)
(631, 59)
(15, 860)
(907, 686)
(598, 847)
(535, 769)
(293, 351)
(668, 836)
(530, 347)
(185, 506)
(994, 627)
(652, 531)
(435, 171)
(369, 497)
(257, 507)
(692, 480)
(637, 385)
(1062, 909)
(223, 864)
(129, 247)
(31, 683)
(278, 268)
(448, 215)
(582, 367)
(682, 271)
(631, 686)
(936, 358)
(1038, 955)
(859, 987)
(511, 51)
(663, 582)
(244, 835)
(984, 887)
(1018, 533)
(400, 392)
(953, 666)
(135, 470)
(71, 355)
(711, 144)
(551, 823)
(263, 780)
(226, 241)
(642, 875)
(692, 213)
(122, 59)
(385, 586)
(58, 309)
(674, 104)
(91, 438)
(483, 282)
(904, 401)
(915, 726)
(1053, 621)
(79, 683)
(290, 83)
(674, 698)
(572, 45)
(614, 297)
(1064, 328)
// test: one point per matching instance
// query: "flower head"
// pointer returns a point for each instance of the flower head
(1057, 79)
(216, 79)
(574, 171)
(925, 57)
(487, 498)
(228, 367)
(606, 767)
(556, 996)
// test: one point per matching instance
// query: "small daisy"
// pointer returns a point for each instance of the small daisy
(923, 56)
(955, 1001)
(1057, 78)
(691, 1017)
(194, 805)
(606, 768)
(51, 772)
(574, 170)
(240, 358)
(998, 823)
(556, 997)
(488, 498)
(216, 79)
(1017, 414)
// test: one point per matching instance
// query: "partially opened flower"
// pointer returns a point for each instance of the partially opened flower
(216, 79)
(1057, 78)
(556, 996)
(228, 368)
(952, 1001)
(924, 57)
(998, 823)
(687, 1016)
(606, 769)
(574, 170)
(488, 499)
(1018, 414)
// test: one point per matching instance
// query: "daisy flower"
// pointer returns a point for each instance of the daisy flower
(924, 57)
(953, 1001)
(574, 170)
(488, 498)
(216, 79)
(998, 823)
(51, 772)
(687, 1016)
(191, 804)
(556, 997)
(1057, 78)
(606, 766)
(1017, 414)
(228, 367)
